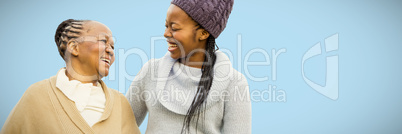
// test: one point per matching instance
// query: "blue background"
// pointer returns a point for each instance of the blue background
(370, 41)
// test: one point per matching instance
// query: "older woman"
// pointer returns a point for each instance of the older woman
(75, 100)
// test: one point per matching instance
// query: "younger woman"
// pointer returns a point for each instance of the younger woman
(193, 88)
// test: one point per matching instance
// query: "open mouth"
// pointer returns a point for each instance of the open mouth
(172, 46)
(106, 60)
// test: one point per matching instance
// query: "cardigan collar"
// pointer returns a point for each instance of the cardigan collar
(71, 110)
(75, 90)
(223, 73)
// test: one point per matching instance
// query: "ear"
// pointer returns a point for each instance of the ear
(204, 34)
(72, 47)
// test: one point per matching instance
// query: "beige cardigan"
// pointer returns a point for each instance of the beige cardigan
(45, 109)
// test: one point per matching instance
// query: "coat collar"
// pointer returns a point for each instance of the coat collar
(223, 74)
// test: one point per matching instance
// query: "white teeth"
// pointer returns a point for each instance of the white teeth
(172, 45)
(106, 60)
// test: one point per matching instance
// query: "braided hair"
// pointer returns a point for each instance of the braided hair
(67, 30)
(204, 86)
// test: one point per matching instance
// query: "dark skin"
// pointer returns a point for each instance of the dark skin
(186, 40)
(89, 58)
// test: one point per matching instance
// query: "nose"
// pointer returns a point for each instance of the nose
(167, 33)
(109, 50)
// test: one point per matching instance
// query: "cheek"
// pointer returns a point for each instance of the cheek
(112, 60)
(95, 52)
(88, 51)
(186, 39)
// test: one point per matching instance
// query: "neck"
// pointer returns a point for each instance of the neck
(196, 60)
(73, 75)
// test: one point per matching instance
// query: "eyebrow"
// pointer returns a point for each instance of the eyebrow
(171, 23)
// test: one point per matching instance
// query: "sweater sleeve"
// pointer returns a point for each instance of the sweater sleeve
(135, 93)
(237, 115)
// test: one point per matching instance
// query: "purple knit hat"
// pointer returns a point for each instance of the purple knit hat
(210, 14)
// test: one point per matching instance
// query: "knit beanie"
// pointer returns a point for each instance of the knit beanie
(210, 14)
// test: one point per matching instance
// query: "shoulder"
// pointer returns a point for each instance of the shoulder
(156, 62)
(148, 69)
(237, 82)
(39, 85)
(224, 71)
(114, 92)
(36, 96)
(38, 89)
(151, 63)
(239, 78)
(119, 97)
(149, 66)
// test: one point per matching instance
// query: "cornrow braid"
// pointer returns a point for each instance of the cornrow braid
(204, 86)
(67, 30)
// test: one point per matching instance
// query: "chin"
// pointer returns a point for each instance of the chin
(176, 56)
(103, 72)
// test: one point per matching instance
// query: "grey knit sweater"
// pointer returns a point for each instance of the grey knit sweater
(165, 89)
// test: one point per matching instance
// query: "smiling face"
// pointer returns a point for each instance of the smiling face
(94, 54)
(184, 36)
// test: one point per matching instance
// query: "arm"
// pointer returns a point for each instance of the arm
(135, 92)
(237, 107)
(137, 104)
